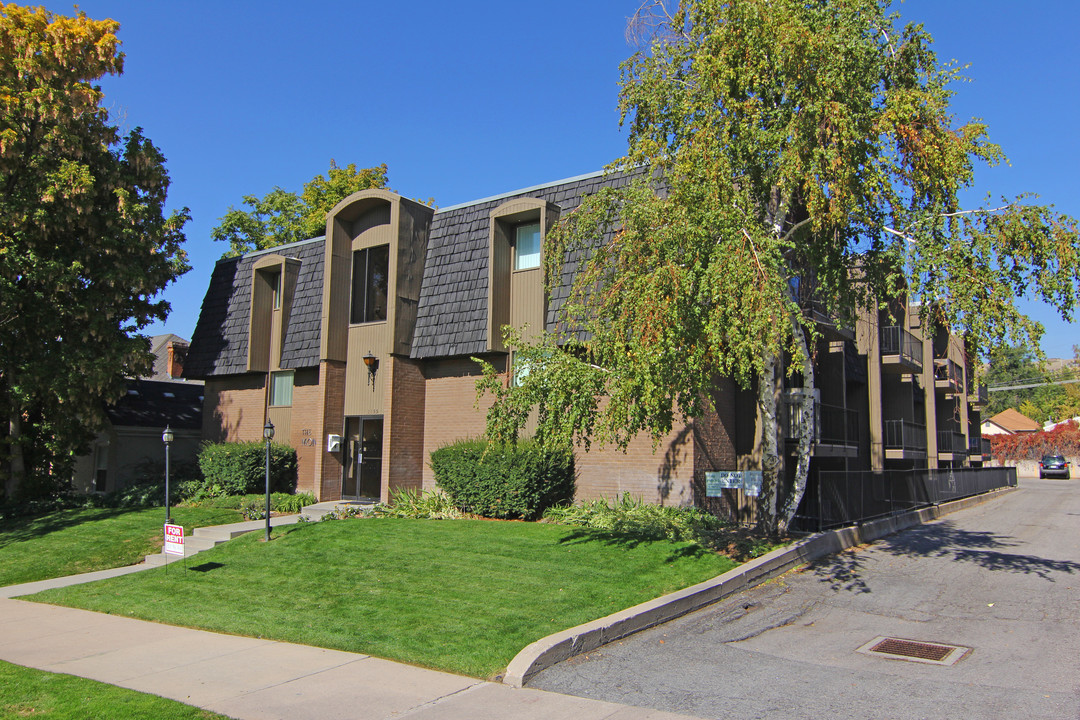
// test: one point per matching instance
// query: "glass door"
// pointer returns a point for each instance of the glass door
(362, 474)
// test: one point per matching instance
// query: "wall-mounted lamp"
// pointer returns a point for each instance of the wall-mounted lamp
(372, 364)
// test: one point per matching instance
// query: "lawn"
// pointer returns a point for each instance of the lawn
(67, 542)
(29, 693)
(458, 595)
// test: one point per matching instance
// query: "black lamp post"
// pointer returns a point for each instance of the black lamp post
(268, 433)
(167, 437)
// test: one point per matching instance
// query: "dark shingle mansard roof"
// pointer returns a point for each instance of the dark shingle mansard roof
(219, 344)
(452, 313)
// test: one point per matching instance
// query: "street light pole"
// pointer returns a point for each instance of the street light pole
(167, 437)
(268, 433)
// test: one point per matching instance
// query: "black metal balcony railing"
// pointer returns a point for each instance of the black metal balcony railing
(975, 446)
(949, 374)
(949, 441)
(834, 425)
(837, 425)
(904, 435)
(979, 396)
(986, 448)
(895, 340)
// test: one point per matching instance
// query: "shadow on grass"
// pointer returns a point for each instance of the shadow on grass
(738, 544)
(629, 541)
(206, 567)
(21, 529)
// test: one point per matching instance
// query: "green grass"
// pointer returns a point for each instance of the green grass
(457, 595)
(29, 693)
(68, 542)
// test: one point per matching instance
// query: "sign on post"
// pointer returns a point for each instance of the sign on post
(716, 481)
(174, 539)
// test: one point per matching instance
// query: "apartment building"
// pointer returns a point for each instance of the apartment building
(358, 347)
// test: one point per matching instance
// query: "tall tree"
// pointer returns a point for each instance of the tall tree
(797, 152)
(282, 217)
(85, 245)
(1019, 366)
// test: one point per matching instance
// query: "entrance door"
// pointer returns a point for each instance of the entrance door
(363, 458)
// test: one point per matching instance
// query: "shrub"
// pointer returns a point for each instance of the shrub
(291, 504)
(504, 481)
(239, 468)
(416, 505)
(631, 516)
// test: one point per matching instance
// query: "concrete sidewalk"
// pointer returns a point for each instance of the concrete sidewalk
(254, 679)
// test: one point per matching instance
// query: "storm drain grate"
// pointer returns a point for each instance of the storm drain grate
(915, 651)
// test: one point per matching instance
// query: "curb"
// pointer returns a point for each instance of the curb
(565, 644)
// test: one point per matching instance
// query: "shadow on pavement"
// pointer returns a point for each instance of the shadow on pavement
(941, 540)
(985, 549)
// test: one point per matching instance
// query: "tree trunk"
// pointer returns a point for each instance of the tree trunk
(806, 431)
(770, 454)
(16, 464)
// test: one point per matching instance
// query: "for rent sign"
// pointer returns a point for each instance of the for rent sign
(174, 539)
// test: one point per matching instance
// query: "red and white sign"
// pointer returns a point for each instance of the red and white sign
(174, 539)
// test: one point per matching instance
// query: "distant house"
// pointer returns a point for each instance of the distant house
(129, 448)
(1010, 422)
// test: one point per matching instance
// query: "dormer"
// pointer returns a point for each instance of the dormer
(376, 245)
(273, 285)
(516, 295)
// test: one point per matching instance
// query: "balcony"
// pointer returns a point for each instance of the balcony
(979, 449)
(901, 352)
(805, 291)
(951, 445)
(978, 397)
(836, 430)
(905, 440)
(948, 376)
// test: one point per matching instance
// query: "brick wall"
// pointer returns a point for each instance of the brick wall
(331, 420)
(403, 427)
(449, 412)
(663, 477)
(716, 439)
(306, 435)
(234, 408)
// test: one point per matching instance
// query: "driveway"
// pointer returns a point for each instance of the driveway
(1002, 579)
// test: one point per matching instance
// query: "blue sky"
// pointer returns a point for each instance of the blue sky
(470, 99)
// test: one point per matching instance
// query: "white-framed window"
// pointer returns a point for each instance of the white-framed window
(281, 385)
(527, 246)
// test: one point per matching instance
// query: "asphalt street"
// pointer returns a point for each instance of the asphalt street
(1002, 579)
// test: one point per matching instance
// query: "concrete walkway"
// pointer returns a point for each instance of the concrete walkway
(256, 679)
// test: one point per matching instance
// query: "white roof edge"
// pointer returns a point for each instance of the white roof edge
(512, 193)
(279, 248)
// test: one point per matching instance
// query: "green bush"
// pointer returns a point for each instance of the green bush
(239, 468)
(417, 505)
(512, 481)
(631, 516)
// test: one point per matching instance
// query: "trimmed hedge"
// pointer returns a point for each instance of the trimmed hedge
(240, 468)
(512, 481)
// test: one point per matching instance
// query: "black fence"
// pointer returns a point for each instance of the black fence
(837, 499)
